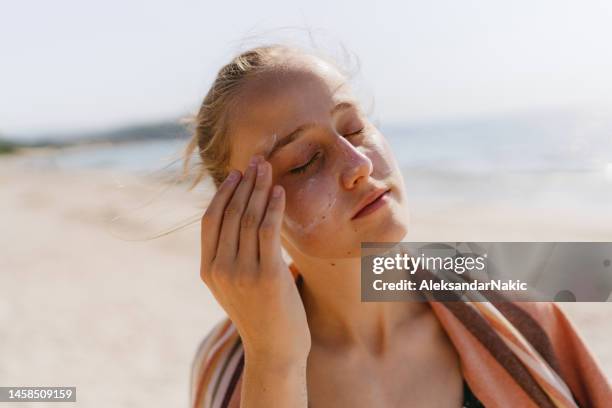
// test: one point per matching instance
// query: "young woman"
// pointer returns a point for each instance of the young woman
(298, 165)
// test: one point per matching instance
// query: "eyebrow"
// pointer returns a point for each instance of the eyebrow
(296, 133)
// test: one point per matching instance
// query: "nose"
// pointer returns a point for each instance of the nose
(356, 166)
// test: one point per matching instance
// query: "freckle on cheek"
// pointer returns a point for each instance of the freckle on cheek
(306, 223)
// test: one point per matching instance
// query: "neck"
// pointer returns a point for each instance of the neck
(331, 292)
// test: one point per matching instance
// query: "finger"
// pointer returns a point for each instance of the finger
(254, 212)
(213, 216)
(270, 228)
(230, 228)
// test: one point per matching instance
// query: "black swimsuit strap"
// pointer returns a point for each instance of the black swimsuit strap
(469, 399)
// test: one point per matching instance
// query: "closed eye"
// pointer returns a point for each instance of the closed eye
(359, 132)
(303, 168)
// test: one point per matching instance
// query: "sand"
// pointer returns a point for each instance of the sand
(121, 319)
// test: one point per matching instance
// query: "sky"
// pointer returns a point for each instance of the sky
(70, 66)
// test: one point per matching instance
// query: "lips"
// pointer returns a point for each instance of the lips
(368, 200)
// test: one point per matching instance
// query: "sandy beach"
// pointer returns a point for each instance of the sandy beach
(84, 304)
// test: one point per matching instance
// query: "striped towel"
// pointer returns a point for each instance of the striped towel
(217, 367)
(512, 354)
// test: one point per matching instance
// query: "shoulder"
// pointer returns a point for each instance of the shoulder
(216, 366)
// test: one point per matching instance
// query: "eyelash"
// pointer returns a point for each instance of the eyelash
(303, 168)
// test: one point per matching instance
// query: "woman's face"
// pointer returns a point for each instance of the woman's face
(328, 157)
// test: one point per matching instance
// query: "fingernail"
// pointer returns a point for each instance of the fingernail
(232, 176)
(277, 191)
(253, 161)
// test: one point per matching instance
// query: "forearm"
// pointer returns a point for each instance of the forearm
(274, 384)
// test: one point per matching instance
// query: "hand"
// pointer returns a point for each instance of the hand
(242, 265)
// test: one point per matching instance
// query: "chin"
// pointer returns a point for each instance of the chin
(399, 233)
(393, 231)
(391, 228)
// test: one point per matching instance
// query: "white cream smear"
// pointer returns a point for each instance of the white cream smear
(322, 209)
(292, 223)
(268, 143)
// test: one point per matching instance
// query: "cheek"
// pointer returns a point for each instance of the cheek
(310, 206)
(383, 160)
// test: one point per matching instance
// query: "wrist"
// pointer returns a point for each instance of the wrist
(274, 362)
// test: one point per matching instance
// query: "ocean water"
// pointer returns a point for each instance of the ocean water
(522, 143)
(140, 157)
(555, 163)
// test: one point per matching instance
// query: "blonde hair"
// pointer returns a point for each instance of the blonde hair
(210, 124)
